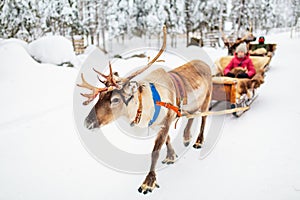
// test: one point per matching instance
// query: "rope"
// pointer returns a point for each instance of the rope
(221, 112)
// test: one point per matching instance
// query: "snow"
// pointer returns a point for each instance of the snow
(42, 156)
(14, 40)
(53, 50)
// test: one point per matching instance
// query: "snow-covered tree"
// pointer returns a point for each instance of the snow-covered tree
(90, 19)
(119, 19)
(141, 9)
(188, 11)
(207, 16)
(59, 17)
(70, 18)
(103, 14)
(101, 20)
(241, 15)
(51, 11)
(18, 19)
(267, 18)
(281, 11)
(174, 19)
(295, 4)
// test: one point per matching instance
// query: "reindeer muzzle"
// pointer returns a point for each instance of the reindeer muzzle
(91, 121)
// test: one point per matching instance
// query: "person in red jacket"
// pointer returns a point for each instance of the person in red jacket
(241, 59)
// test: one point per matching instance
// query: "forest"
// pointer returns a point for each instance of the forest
(99, 21)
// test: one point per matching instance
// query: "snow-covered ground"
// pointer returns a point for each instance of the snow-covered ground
(41, 155)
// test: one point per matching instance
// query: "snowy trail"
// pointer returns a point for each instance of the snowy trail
(29, 117)
(256, 157)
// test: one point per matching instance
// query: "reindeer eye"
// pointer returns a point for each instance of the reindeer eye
(115, 101)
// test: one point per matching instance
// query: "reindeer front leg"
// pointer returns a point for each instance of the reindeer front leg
(171, 155)
(150, 182)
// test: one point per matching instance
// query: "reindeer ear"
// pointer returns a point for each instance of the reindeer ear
(116, 74)
(131, 87)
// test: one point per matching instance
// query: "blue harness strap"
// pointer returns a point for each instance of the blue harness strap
(155, 97)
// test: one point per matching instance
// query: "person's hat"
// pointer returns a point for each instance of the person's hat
(261, 39)
(242, 47)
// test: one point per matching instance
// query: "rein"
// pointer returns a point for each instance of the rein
(158, 104)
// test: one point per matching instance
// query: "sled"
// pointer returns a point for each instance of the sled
(234, 90)
(268, 50)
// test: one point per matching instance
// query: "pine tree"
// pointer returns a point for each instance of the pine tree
(18, 19)
(242, 15)
(141, 9)
(118, 19)
(174, 19)
(295, 4)
(188, 19)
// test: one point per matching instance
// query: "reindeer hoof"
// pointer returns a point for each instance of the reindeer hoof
(145, 188)
(186, 143)
(149, 184)
(197, 145)
(170, 159)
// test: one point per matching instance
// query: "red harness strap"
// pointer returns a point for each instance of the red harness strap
(170, 106)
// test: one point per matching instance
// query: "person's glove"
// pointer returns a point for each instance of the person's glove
(243, 75)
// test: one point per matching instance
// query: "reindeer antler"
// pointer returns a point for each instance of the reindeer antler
(134, 74)
(110, 81)
(95, 90)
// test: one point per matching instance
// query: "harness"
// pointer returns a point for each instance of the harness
(156, 98)
(181, 99)
(181, 96)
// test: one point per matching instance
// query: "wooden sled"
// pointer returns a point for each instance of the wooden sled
(268, 50)
(238, 92)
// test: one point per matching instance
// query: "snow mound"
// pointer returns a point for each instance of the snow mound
(28, 85)
(7, 61)
(53, 50)
(14, 41)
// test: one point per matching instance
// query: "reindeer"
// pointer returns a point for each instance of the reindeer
(153, 101)
(231, 45)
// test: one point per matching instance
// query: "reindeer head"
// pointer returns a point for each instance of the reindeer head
(115, 96)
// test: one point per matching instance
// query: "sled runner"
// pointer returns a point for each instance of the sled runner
(238, 92)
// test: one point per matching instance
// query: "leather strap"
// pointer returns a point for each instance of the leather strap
(181, 95)
(140, 109)
(170, 106)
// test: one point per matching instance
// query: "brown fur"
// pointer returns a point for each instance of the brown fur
(245, 86)
(258, 79)
(238, 70)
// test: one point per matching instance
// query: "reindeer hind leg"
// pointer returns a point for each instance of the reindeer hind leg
(204, 107)
(187, 133)
(200, 138)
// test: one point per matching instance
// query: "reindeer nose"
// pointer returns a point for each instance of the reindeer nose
(91, 121)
